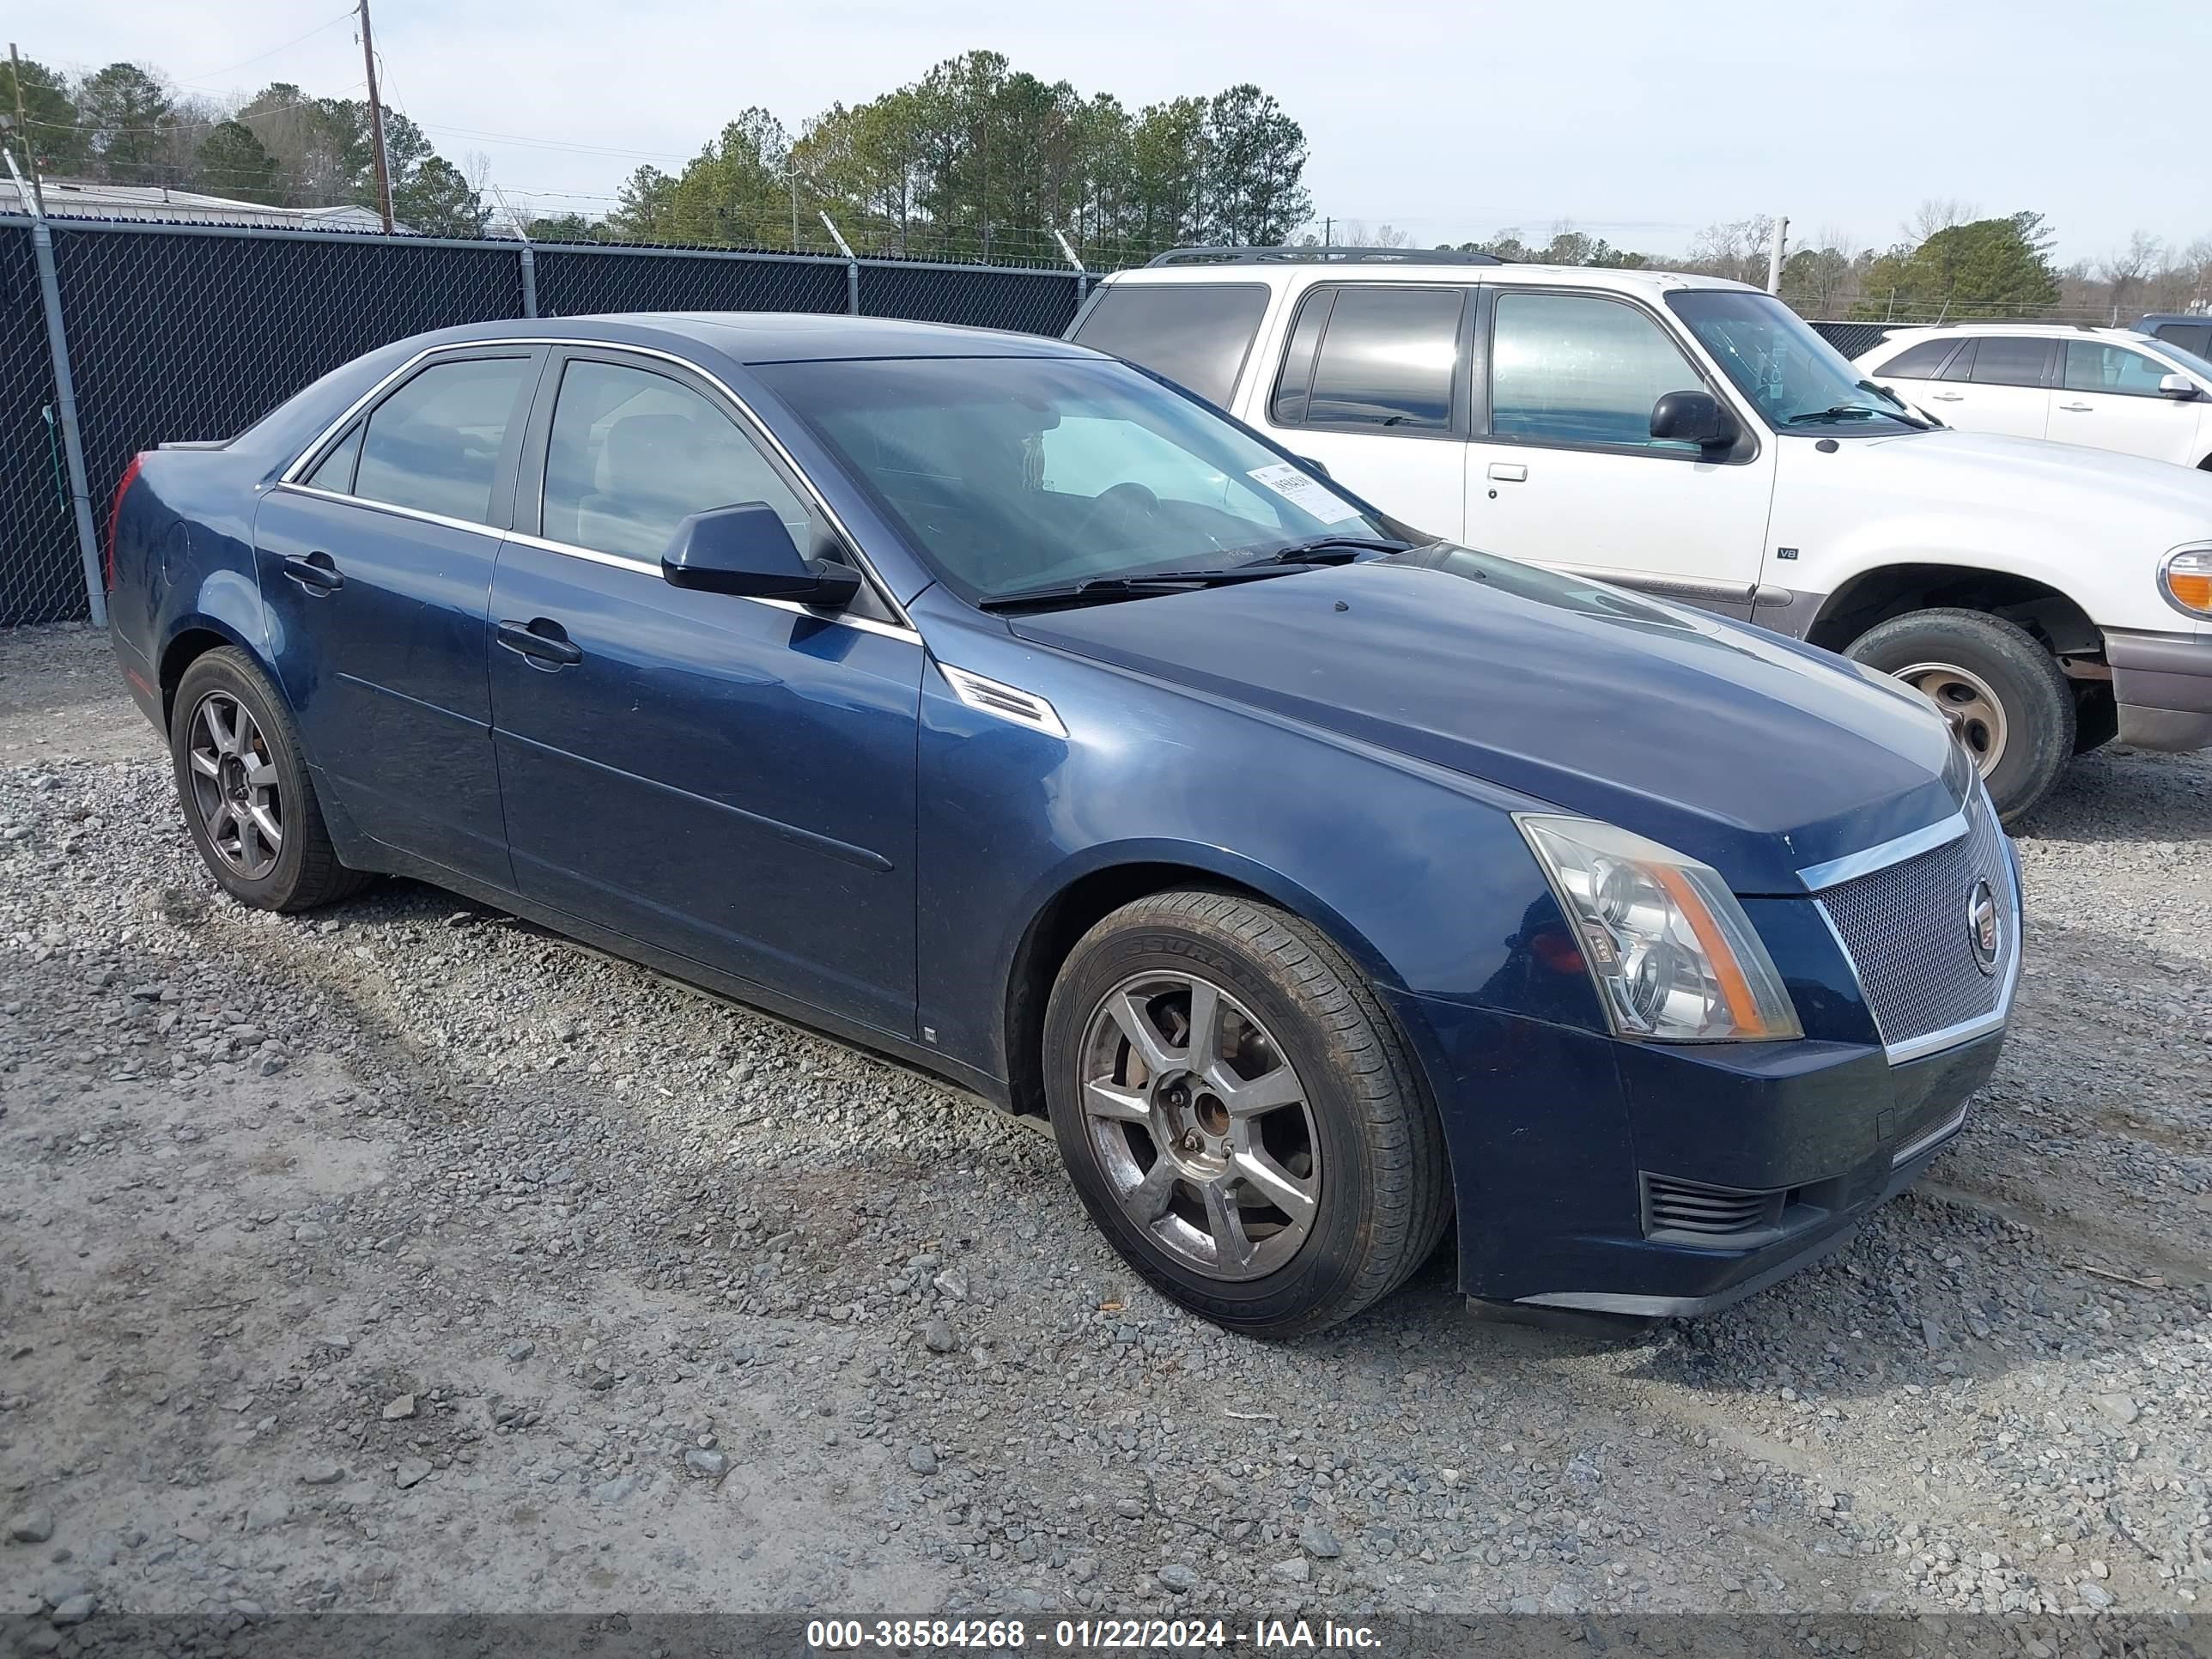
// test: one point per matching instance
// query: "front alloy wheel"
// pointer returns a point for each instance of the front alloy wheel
(1201, 1125)
(1239, 1113)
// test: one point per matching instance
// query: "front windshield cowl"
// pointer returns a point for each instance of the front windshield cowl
(1797, 380)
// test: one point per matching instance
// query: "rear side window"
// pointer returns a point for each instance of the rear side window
(1196, 334)
(633, 454)
(2092, 366)
(2001, 362)
(334, 470)
(1920, 362)
(2190, 337)
(1386, 360)
(434, 444)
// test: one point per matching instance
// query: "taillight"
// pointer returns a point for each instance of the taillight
(114, 513)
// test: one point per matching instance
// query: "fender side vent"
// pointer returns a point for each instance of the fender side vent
(1008, 703)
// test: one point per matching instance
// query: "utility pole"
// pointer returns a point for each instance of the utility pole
(1327, 229)
(376, 124)
(23, 133)
(791, 165)
(1773, 255)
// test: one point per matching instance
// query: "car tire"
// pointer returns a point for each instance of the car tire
(1275, 1219)
(2014, 700)
(242, 780)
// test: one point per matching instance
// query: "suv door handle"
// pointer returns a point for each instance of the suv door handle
(1946, 397)
(2079, 409)
(543, 640)
(1509, 472)
(318, 573)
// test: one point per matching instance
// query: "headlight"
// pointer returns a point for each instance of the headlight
(1673, 953)
(2186, 579)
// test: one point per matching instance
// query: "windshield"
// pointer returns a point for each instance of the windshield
(1013, 473)
(1798, 381)
(2192, 362)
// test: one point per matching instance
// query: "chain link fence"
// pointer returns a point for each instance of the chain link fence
(195, 331)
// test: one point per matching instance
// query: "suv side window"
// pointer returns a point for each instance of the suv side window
(632, 453)
(1580, 370)
(1999, 360)
(1920, 362)
(2094, 366)
(1371, 357)
(434, 444)
(1194, 333)
(2190, 337)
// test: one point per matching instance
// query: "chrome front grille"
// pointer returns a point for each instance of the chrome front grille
(1908, 931)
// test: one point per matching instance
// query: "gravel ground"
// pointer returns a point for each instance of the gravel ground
(406, 1257)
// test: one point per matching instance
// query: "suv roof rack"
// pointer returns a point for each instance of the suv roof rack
(2003, 322)
(1321, 256)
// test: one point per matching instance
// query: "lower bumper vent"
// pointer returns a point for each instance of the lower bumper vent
(1686, 1212)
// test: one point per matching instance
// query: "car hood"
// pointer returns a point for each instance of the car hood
(2029, 475)
(1748, 751)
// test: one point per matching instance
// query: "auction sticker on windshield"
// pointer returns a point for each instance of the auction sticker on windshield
(1307, 493)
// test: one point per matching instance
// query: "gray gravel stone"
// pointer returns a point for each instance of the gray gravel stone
(700, 1461)
(937, 1336)
(33, 1525)
(921, 1460)
(1318, 1540)
(411, 1472)
(1179, 1577)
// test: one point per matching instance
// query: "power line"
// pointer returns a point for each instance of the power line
(203, 75)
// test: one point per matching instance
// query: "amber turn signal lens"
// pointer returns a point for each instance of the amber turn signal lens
(2187, 579)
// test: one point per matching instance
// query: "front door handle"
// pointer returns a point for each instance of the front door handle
(1509, 472)
(318, 573)
(1946, 397)
(2079, 409)
(543, 640)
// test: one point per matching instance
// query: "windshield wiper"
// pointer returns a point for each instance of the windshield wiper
(1100, 588)
(1846, 411)
(1327, 550)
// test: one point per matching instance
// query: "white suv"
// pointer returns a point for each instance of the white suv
(1696, 440)
(2110, 388)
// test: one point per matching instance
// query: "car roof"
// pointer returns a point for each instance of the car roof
(771, 337)
(2036, 331)
(1615, 278)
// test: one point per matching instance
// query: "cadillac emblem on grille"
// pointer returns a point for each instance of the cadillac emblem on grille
(1984, 927)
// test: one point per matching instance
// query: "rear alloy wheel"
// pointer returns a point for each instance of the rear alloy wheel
(248, 800)
(2009, 702)
(1239, 1113)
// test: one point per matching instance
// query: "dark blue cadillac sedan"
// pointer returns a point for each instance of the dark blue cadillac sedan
(988, 702)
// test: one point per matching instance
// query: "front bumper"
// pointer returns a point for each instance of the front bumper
(2163, 684)
(1573, 1155)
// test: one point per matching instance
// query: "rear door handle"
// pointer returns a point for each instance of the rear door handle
(1509, 472)
(542, 640)
(318, 573)
(2079, 409)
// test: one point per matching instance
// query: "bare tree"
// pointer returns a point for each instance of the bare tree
(1356, 233)
(1939, 213)
(2125, 270)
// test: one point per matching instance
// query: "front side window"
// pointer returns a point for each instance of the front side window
(434, 444)
(632, 453)
(1579, 370)
(2002, 362)
(1386, 360)
(1006, 474)
(2094, 366)
(1795, 379)
(1194, 333)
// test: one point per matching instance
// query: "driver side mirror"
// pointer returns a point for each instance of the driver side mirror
(746, 549)
(1692, 417)
(2180, 387)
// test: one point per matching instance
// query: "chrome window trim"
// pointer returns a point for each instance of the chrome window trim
(374, 506)
(1852, 865)
(749, 421)
(647, 568)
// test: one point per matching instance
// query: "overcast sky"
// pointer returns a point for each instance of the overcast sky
(1637, 121)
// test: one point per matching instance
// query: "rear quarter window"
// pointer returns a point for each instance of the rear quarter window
(1196, 334)
(1920, 362)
